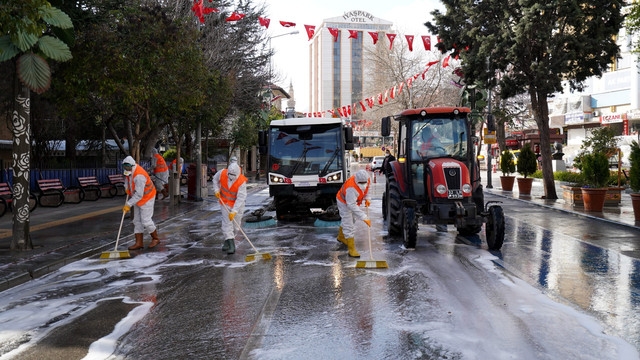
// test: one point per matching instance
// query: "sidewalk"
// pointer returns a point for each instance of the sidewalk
(622, 214)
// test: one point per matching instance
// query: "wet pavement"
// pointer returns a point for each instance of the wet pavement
(74, 231)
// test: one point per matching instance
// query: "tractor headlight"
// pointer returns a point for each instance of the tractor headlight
(466, 188)
(441, 189)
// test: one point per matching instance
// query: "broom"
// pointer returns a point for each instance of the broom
(371, 264)
(250, 257)
(115, 254)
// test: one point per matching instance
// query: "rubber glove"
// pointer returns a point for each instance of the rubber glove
(232, 215)
(218, 194)
(368, 222)
(126, 208)
(367, 203)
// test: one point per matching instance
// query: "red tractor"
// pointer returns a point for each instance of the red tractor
(436, 177)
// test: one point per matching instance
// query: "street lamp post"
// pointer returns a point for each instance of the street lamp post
(270, 89)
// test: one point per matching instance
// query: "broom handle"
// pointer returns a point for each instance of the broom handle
(121, 222)
(369, 232)
(238, 225)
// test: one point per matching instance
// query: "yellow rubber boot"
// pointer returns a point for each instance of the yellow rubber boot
(341, 237)
(351, 245)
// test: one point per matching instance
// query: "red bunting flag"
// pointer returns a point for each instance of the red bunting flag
(409, 41)
(426, 41)
(199, 10)
(393, 92)
(311, 30)
(374, 36)
(362, 107)
(349, 110)
(235, 17)
(332, 112)
(369, 102)
(380, 98)
(391, 37)
(353, 34)
(409, 81)
(334, 32)
(264, 21)
(400, 87)
(287, 24)
(445, 62)
(430, 64)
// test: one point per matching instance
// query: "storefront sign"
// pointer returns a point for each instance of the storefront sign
(574, 118)
(612, 118)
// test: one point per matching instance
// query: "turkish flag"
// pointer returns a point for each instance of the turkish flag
(426, 40)
(264, 21)
(199, 10)
(374, 36)
(287, 24)
(234, 17)
(334, 32)
(409, 41)
(391, 37)
(353, 34)
(311, 30)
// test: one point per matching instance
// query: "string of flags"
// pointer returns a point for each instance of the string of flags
(200, 11)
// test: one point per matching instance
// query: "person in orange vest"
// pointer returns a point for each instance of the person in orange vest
(230, 187)
(142, 197)
(160, 174)
(351, 195)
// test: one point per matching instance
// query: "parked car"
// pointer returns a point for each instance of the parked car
(376, 163)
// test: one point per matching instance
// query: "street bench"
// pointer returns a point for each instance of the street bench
(6, 199)
(53, 193)
(94, 190)
(117, 181)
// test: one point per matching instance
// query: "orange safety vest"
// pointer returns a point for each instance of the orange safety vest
(161, 165)
(228, 195)
(149, 188)
(351, 182)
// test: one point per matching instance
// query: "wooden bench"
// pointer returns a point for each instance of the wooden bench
(53, 193)
(6, 199)
(94, 190)
(117, 182)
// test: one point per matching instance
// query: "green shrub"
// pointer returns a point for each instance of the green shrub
(595, 169)
(527, 162)
(507, 166)
(634, 171)
(570, 177)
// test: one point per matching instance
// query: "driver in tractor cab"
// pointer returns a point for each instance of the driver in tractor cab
(430, 144)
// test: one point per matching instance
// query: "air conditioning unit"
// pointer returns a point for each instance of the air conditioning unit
(595, 113)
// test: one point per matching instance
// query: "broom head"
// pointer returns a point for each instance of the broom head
(251, 257)
(115, 254)
(372, 264)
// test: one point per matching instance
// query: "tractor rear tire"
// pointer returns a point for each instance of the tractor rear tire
(494, 229)
(410, 233)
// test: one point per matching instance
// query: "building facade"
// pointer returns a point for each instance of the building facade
(337, 68)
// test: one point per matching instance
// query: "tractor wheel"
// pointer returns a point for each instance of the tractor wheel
(394, 208)
(410, 228)
(495, 228)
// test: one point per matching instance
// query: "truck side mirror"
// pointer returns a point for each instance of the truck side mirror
(385, 129)
(348, 138)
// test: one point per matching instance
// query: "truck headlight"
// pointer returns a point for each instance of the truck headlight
(466, 188)
(441, 189)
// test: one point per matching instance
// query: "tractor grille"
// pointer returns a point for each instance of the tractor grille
(453, 177)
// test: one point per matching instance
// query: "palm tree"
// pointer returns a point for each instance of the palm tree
(31, 31)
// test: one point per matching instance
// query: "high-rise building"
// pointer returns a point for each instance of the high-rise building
(337, 68)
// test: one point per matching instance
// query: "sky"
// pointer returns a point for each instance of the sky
(291, 57)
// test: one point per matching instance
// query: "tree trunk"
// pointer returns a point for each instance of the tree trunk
(21, 129)
(541, 114)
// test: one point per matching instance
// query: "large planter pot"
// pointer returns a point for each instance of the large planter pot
(572, 195)
(593, 199)
(635, 202)
(507, 182)
(524, 186)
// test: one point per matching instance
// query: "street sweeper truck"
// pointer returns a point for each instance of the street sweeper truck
(305, 164)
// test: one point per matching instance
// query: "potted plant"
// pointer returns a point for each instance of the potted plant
(595, 170)
(634, 178)
(527, 165)
(508, 167)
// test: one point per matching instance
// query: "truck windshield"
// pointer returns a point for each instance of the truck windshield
(305, 150)
(439, 138)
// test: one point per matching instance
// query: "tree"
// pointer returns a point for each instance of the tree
(31, 31)
(534, 46)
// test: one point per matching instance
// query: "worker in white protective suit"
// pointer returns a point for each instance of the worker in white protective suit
(352, 194)
(141, 194)
(230, 187)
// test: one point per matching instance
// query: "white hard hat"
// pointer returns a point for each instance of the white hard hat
(234, 169)
(362, 176)
(128, 160)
